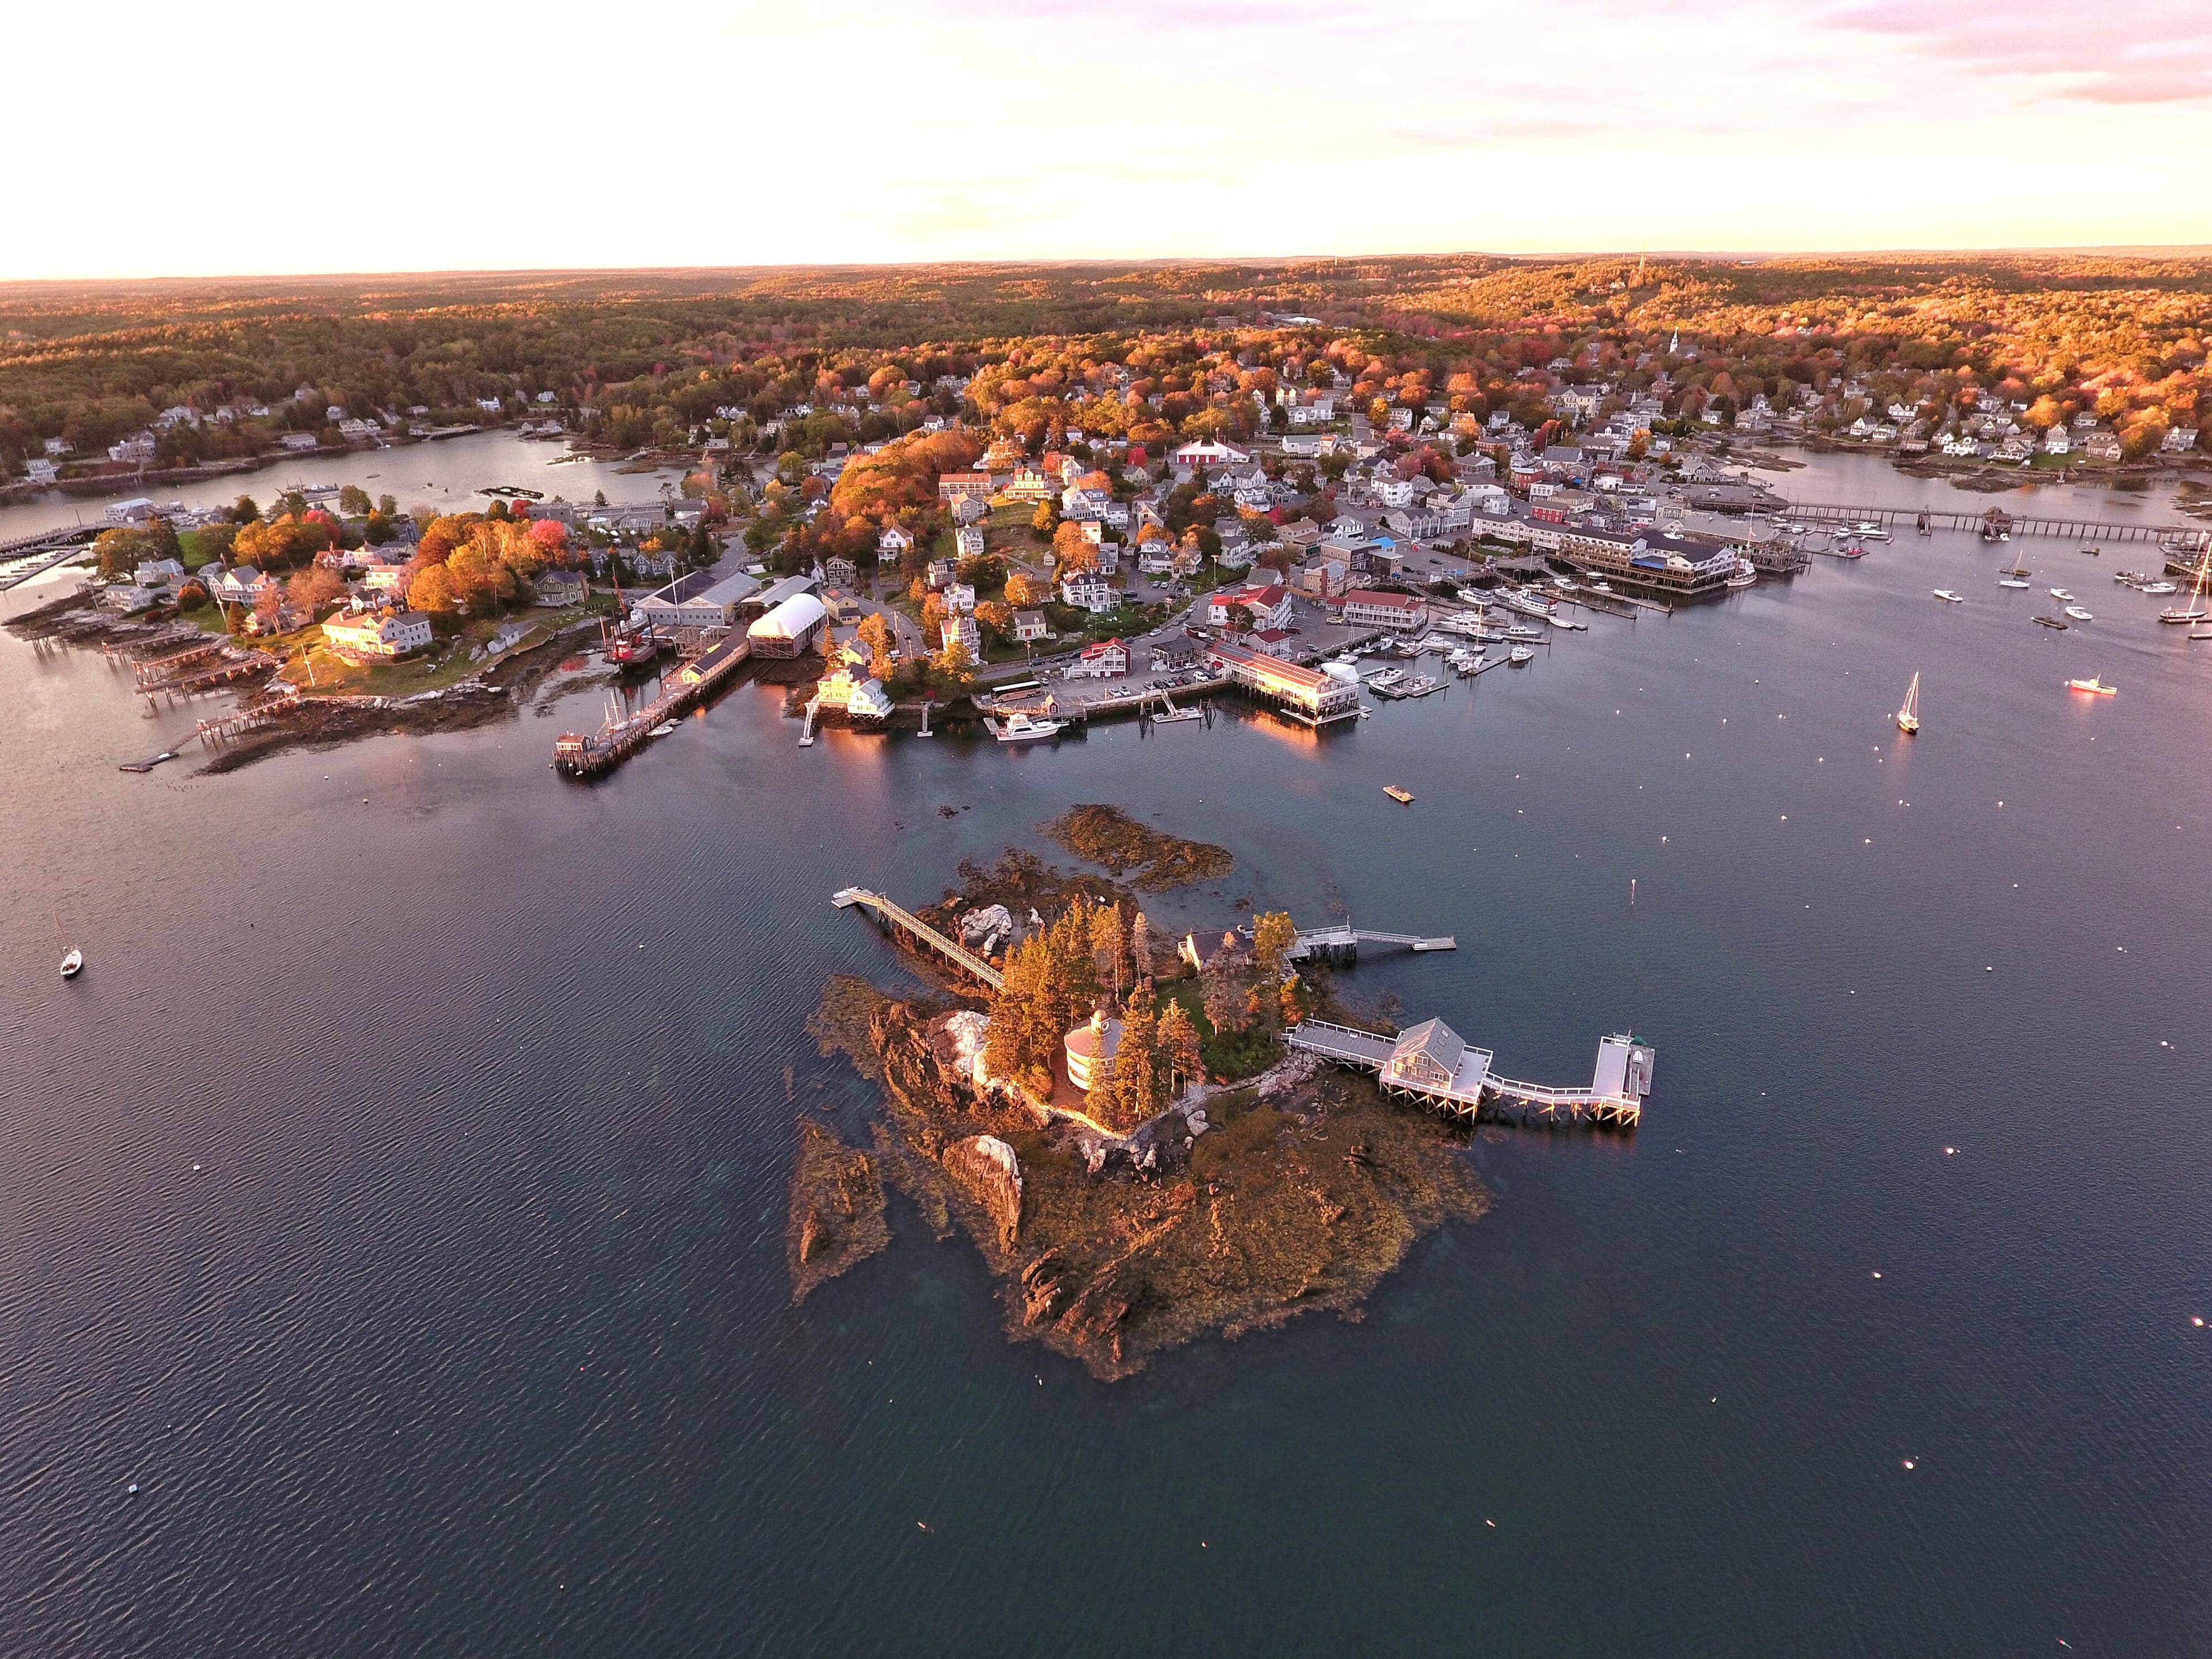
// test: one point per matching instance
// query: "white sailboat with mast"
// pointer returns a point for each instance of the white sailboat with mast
(1908, 717)
(2193, 611)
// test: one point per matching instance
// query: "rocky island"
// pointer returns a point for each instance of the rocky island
(1157, 1171)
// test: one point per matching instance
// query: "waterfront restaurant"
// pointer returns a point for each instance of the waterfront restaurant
(1312, 695)
(1678, 563)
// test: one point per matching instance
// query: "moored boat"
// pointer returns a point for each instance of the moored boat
(1403, 797)
(1018, 728)
(2093, 685)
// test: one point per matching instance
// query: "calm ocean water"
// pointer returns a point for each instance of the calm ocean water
(396, 1201)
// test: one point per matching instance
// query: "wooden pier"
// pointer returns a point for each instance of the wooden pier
(2175, 538)
(247, 717)
(890, 916)
(1431, 1063)
(43, 552)
(578, 756)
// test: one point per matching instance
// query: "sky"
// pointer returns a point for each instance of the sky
(242, 138)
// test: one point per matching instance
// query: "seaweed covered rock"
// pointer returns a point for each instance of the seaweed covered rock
(837, 1209)
(986, 1167)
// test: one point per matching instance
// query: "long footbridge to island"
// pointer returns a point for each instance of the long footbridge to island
(1429, 1063)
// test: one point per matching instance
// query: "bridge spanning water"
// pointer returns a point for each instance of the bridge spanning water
(2176, 539)
(890, 914)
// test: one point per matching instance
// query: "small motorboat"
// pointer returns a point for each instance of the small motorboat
(2093, 685)
(2079, 614)
(72, 962)
(2049, 621)
(1949, 598)
(1519, 631)
(1170, 713)
(1520, 656)
(2013, 581)
(2158, 588)
(664, 728)
(1386, 679)
(1403, 797)
(2061, 596)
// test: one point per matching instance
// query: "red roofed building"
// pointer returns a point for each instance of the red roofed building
(1107, 660)
(1268, 603)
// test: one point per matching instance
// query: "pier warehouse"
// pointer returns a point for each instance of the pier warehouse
(695, 600)
(789, 629)
(1311, 695)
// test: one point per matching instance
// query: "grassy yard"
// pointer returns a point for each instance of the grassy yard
(445, 663)
(1229, 1056)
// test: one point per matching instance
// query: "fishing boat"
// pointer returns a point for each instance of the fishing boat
(2079, 613)
(1948, 597)
(1522, 631)
(2061, 596)
(1529, 606)
(1018, 728)
(2049, 621)
(1386, 679)
(1419, 686)
(2093, 685)
(1520, 656)
(1744, 575)
(1403, 797)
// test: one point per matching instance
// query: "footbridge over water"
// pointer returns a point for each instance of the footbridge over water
(1431, 1063)
(889, 914)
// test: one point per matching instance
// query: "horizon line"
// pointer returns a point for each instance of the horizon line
(1163, 261)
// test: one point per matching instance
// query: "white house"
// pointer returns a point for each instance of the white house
(967, 542)
(895, 540)
(40, 470)
(1029, 627)
(241, 585)
(1402, 612)
(1086, 589)
(134, 451)
(1269, 603)
(377, 632)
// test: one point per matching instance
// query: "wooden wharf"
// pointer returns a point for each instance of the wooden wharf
(890, 916)
(153, 673)
(578, 756)
(247, 717)
(229, 663)
(1430, 1064)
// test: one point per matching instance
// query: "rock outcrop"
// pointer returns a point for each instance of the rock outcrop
(987, 1170)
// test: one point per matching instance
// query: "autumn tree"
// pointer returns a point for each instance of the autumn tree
(352, 501)
(311, 589)
(875, 632)
(1072, 550)
(1025, 588)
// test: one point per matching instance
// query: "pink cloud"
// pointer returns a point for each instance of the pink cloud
(2151, 52)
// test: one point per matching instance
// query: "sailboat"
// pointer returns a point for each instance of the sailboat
(72, 958)
(1908, 718)
(2194, 611)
